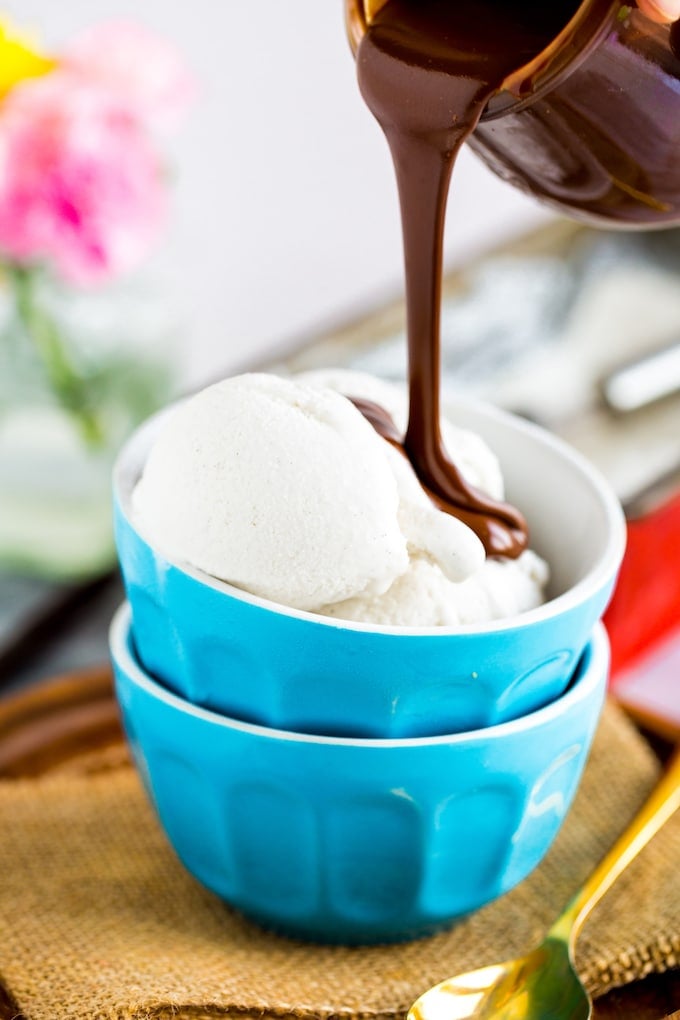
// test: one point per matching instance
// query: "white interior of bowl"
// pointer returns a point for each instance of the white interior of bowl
(575, 520)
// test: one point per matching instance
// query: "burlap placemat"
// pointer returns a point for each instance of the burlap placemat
(99, 920)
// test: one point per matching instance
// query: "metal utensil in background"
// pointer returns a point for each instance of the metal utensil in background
(640, 383)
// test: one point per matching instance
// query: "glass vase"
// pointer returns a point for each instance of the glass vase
(78, 370)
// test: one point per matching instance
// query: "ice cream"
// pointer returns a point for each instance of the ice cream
(281, 487)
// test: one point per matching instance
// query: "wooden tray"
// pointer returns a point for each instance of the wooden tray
(57, 721)
(62, 722)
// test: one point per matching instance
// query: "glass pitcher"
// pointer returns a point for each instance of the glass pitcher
(592, 125)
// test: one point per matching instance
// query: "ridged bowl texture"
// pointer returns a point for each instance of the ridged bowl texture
(226, 650)
(347, 840)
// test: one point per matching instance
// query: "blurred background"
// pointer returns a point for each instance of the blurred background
(284, 216)
(271, 237)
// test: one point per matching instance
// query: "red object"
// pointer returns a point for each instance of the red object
(649, 690)
(646, 603)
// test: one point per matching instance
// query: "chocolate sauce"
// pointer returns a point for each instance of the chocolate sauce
(478, 511)
(427, 69)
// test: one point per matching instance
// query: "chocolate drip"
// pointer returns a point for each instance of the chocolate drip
(427, 69)
(499, 526)
(381, 420)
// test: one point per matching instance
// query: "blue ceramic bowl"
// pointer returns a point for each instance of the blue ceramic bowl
(224, 649)
(357, 841)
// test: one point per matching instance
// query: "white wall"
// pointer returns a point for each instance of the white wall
(285, 216)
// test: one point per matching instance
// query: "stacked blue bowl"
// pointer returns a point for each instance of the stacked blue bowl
(349, 783)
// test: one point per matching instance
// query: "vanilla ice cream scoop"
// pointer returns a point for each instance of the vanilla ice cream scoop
(285, 490)
(436, 589)
(278, 488)
(281, 487)
(425, 597)
(477, 463)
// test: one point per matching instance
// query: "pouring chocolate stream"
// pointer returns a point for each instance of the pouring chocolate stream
(427, 69)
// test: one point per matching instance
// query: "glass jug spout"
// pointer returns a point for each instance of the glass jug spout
(591, 125)
(598, 136)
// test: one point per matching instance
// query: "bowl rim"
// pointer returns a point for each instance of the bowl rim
(592, 671)
(601, 573)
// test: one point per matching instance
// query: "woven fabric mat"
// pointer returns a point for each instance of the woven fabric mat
(99, 920)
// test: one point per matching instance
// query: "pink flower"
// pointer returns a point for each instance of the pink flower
(137, 66)
(80, 182)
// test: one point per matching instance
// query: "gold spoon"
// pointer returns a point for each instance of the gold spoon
(544, 984)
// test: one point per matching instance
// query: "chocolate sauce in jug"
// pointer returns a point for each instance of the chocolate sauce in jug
(427, 69)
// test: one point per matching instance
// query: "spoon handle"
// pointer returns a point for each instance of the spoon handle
(662, 803)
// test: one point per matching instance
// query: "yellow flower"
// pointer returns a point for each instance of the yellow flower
(19, 58)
